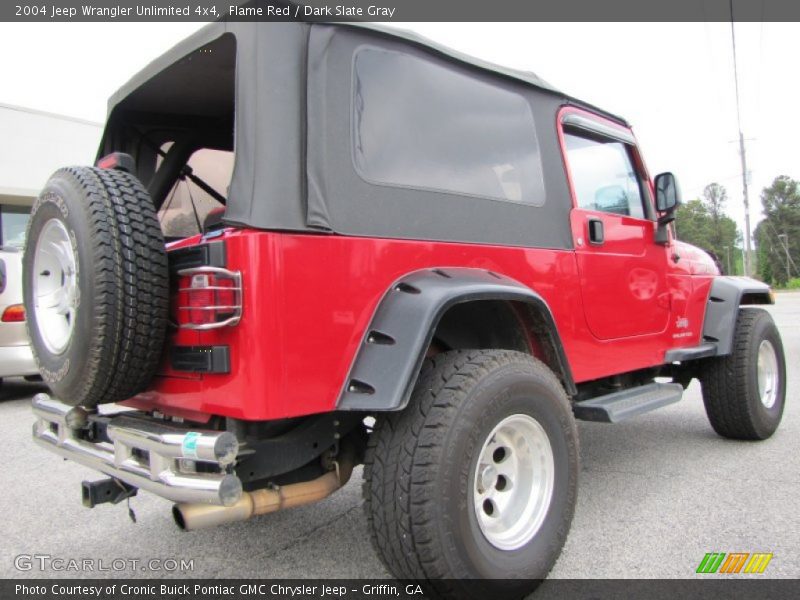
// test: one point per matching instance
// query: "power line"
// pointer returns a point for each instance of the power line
(741, 151)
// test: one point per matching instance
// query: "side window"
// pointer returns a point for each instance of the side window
(187, 204)
(420, 125)
(603, 174)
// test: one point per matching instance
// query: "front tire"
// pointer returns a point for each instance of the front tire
(477, 478)
(745, 391)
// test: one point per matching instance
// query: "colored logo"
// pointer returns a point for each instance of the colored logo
(734, 562)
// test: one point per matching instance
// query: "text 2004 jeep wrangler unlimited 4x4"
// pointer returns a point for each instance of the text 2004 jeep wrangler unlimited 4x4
(457, 250)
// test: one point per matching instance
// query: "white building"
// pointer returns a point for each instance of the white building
(33, 144)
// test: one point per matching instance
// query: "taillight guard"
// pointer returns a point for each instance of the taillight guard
(209, 298)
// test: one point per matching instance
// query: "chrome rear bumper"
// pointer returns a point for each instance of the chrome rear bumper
(144, 452)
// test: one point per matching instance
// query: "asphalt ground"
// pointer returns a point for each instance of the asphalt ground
(656, 493)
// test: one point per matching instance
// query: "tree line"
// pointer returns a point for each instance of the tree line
(704, 223)
(778, 235)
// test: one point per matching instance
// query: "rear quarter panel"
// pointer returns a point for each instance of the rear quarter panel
(308, 299)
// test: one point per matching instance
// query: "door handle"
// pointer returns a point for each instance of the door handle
(596, 232)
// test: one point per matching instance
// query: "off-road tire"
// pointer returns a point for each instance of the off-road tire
(730, 383)
(420, 464)
(122, 278)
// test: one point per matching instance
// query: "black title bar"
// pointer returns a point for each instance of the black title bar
(398, 10)
(704, 587)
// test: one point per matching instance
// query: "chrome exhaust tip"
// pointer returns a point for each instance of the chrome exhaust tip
(189, 516)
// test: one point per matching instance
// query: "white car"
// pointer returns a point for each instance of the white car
(16, 359)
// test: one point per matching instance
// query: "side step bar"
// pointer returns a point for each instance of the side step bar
(693, 353)
(619, 406)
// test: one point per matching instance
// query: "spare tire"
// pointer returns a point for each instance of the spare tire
(96, 286)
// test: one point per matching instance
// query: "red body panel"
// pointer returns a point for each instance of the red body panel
(626, 275)
(307, 300)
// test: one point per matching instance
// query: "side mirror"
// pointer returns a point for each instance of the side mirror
(668, 198)
(668, 193)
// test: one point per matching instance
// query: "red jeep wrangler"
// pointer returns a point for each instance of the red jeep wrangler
(310, 246)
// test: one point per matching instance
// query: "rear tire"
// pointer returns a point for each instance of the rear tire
(745, 391)
(95, 286)
(433, 471)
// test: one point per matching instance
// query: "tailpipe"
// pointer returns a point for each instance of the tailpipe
(192, 516)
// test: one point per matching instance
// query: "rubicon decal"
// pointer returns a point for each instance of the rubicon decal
(734, 562)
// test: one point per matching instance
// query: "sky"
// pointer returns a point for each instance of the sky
(672, 81)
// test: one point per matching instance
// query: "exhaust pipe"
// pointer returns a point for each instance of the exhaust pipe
(191, 516)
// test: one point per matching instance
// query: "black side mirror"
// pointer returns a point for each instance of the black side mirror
(668, 193)
(668, 198)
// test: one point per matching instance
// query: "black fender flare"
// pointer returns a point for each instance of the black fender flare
(722, 308)
(393, 347)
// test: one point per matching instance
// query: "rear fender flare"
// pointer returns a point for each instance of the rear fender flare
(394, 344)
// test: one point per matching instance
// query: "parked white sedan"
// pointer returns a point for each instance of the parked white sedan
(16, 359)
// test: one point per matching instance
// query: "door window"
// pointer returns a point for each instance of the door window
(603, 175)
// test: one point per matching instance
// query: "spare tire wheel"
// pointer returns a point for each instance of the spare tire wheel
(95, 285)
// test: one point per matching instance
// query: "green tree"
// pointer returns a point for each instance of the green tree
(779, 231)
(764, 248)
(714, 198)
(703, 223)
(693, 223)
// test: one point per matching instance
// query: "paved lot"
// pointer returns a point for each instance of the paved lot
(656, 494)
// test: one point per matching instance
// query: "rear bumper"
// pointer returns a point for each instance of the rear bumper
(16, 361)
(177, 464)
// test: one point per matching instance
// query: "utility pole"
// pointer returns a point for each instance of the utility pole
(746, 201)
(742, 154)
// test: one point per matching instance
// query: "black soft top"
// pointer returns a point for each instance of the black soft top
(247, 32)
(284, 80)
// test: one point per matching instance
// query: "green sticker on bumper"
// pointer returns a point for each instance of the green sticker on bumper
(189, 445)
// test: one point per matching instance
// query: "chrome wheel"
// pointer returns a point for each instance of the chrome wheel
(513, 483)
(768, 374)
(55, 286)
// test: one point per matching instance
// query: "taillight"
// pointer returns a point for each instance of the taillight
(14, 314)
(117, 160)
(209, 297)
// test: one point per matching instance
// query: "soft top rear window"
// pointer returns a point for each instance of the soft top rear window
(177, 124)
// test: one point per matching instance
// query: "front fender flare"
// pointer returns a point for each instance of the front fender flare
(393, 347)
(727, 294)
